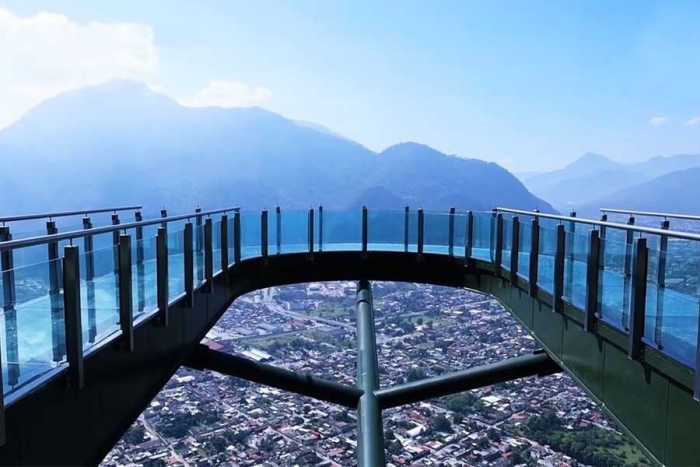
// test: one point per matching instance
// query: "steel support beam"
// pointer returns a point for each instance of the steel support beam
(661, 284)
(498, 250)
(638, 301)
(370, 432)
(451, 233)
(421, 230)
(278, 221)
(534, 256)
(237, 236)
(470, 236)
(558, 286)
(311, 232)
(320, 228)
(406, 214)
(538, 363)
(89, 247)
(629, 240)
(203, 358)
(57, 336)
(126, 305)
(208, 255)
(223, 241)
(188, 263)
(71, 306)
(592, 277)
(162, 274)
(365, 229)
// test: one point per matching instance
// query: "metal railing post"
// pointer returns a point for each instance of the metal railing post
(223, 234)
(421, 230)
(278, 220)
(405, 229)
(71, 306)
(320, 228)
(365, 229)
(451, 233)
(164, 214)
(140, 270)
(264, 234)
(57, 336)
(311, 232)
(534, 256)
(569, 247)
(9, 301)
(498, 251)
(162, 274)
(126, 306)
(209, 255)
(592, 276)
(514, 250)
(199, 246)
(470, 236)
(638, 302)
(237, 236)
(90, 280)
(629, 240)
(558, 286)
(661, 281)
(115, 253)
(188, 262)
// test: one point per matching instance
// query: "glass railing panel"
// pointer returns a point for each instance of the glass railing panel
(143, 276)
(216, 245)
(99, 294)
(614, 284)
(460, 234)
(342, 230)
(295, 232)
(176, 263)
(545, 260)
(437, 233)
(386, 230)
(250, 234)
(524, 249)
(506, 242)
(32, 333)
(198, 249)
(413, 230)
(576, 245)
(483, 236)
(678, 301)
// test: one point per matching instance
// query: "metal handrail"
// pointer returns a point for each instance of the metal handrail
(44, 239)
(665, 215)
(612, 225)
(51, 215)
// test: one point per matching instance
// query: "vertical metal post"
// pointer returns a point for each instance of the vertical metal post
(421, 230)
(320, 228)
(661, 281)
(9, 299)
(365, 229)
(370, 433)
(592, 270)
(470, 236)
(115, 252)
(126, 306)
(188, 262)
(498, 252)
(534, 256)
(71, 306)
(558, 286)
(278, 220)
(209, 255)
(237, 236)
(90, 281)
(264, 233)
(164, 214)
(638, 303)
(405, 229)
(451, 234)
(224, 244)
(199, 246)
(514, 250)
(140, 270)
(570, 250)
(629, 240)
(57, 325)
(311, 232)
(162, 274)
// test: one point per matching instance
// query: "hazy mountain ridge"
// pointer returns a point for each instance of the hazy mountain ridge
(594, 177)
(121, 143)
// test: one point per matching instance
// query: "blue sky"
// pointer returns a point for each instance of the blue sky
(531, 85)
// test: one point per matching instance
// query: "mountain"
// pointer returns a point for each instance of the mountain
(593, 177)
(676, 192)
(121, 143)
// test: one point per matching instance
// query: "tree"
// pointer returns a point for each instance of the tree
(419, 321)
(457, 418)
(441, 423)
(135, 435)
(460, 402)
(415, 373)
(493, 435)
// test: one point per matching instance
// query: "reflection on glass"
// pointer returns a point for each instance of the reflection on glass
(483, 236)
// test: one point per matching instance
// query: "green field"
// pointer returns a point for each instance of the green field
(329, 311)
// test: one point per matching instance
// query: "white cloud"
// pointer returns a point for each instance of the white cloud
(46, 54)
(227, 94)
(693, 121)
(658, 121)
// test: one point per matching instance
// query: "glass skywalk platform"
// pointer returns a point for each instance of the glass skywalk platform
(599, 268)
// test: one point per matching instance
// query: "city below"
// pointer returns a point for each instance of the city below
(205, 419)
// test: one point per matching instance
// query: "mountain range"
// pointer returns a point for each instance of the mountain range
(121, 143)
(667, 184)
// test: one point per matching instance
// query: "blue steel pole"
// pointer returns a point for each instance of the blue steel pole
(370, 433)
